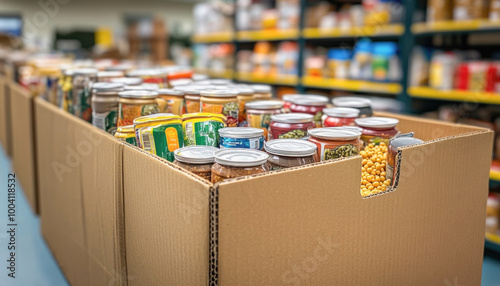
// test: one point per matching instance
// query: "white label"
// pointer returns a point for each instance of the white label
(254, 143)
(99, 120)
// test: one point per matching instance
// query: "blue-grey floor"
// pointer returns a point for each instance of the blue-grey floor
(36, 266)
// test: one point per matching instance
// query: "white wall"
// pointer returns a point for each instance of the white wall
(42, 17)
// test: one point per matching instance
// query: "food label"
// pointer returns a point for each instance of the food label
(192, 106)
(248, 143)
(202, 133)
(105, 121)
(131, 140)
(175, 106)
(161, 140)
(230, 110)
(261, 121)
(128, 112)
(82, 107)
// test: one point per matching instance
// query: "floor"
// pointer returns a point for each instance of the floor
(36, 266)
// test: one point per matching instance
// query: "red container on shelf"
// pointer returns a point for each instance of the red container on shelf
(340, 116)
(290, 125)
(462, 77)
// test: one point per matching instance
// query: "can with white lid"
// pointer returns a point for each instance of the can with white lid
(377, 129)
(259, 113)
(286, 153)
(135, 103)
(196, 159)
(334, 143)
(105, 105)
(310, 104)
(233, 163)
(241, 137)
(221, 101)
(364, 105)
(290, 126)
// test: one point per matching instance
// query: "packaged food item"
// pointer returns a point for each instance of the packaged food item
(49, 78)
(133, 104)
(202, 128)
(287, 99)
(310, 104)
(180, 82)
(442, 70)
(377, 129)
(191, 97)
(160, 134)
(286, 153)
(223, 102)
(439, 10)
(180, 74)
(127, 134)
(364, 105)
(82, 84)
(105, 105)
(494, 10)
(244, 95)
(396, 142)
(361, 63)
(340, 116)
(171, 101)
(385, 62)
(197, 160)
(335, 143)
(261, 91)
(234, 163)
(314, 66)
(130, 81)
(66, 91)
(259, 113)
(290, 125)
(373, 175)
(338, 63)
(155, 76)
(107, 76)
(241, 137)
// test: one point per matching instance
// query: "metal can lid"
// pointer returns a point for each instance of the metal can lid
(344, 112)
(196, 154)
(199, 77)
(127, 80)
(156, 117)
(404, 141)
(310, 100)
(292, 118)
(241, 132)
(241, 157)
(145, 72)
(264, 104)
(85, 72)
(261, 88)
(110, 74)
(144, 86)
(244, 90)
(220, 81)
(351, 101)
(180, 82)
(170, 91)
(354, 128)
(291, 147)
(219, 93)
(107, 86)
(377, 122)
(139, 94)
(327, 133)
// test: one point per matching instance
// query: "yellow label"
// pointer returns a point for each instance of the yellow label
(172, 138)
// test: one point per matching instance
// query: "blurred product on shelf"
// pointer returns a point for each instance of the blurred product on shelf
(492, 213)
(216, 58)
(260, 15)
(461, 10)
(269, 59)
(213, 17)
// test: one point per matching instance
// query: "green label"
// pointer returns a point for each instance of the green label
(105, 121)
(131, 140)
(203, 133)
(163, 140)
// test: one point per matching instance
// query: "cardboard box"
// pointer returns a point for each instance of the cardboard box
(23, 140)
(5, 121)
(81, 197)
(309, 225)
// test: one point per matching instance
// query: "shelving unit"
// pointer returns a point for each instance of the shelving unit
(355, 32)
(266, 79)
(267, 35)
(229, 74)
(492, 242)
(351, 85)
(473, 26)
(454, 95)
(223, 37)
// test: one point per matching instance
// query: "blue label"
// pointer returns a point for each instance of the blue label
(248, 143)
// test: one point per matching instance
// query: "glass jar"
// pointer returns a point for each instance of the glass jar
(171, 101)
(241, 137)
(191, 97)
(223, 101)
(244, 95)
(127, 134)
(82, 84)
(290, 126)
(105, 105)
(132, 81)
(135, 103)
(107, 76)
(286, 153)
(394, 144)
(262, 92)
(259, 113)
(363, 104)
(287, 99)
(377, 129)
(234, 163)
(339, 116)
(335, 143)
(197, 160)
(310, 104)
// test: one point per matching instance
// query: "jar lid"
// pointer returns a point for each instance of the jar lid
(261, 88)
(241, 157)
(180, 82)
(127, 80)
(156, 117)
(110, 74)
(344, 112)
(377, 122)
(143, 86)
(292, 118)
(144, 73)
(351, 101)
(189, 89)
(220, 81)
(306, 99)
(86, 71)
(291, 147)
(196, 154)
(264, 104)
(241, 132)
(138, 94)
(120, 67)
(107, 86)
(151, 86)
(244, 90)
(125, 129)
(199, 77)
(219, 93)
(169, 91)
(354, 128)
(334, 134)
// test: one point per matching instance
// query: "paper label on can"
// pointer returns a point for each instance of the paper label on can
(247, 143)
(105, 121)
(128, 112)
(229, 110)
(202, 133)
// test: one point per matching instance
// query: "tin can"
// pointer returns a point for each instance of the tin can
(241, 137)
(377, 129)
(65, 92)
(259, 113)
(223, 102)
(133, 104)
(290, 126)
(191, 98)
(171, 101)
(245, 95)
(82, 84)
(310, 104)
(107, 76)
(396, 142)
(127, 134)
(105, 105)
(160, 134)
(202, 128)
(261, 91)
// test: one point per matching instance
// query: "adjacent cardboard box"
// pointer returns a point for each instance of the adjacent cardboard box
(22, 132)
(5, 121)
(81, 197)
(310, 225)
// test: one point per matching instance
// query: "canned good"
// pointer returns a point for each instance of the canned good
(127, 134)
(180, 82)
(171, 101)
(160, 134)
(133, 104)
(377, 129)
(290, 125)
(310, 104)
(155, 76)
(287, 153)
(197, 160)
(82, 84)
(363, 104)
(233, 163)
(191, 97)
(65, 93)
(339, 116)
(202, 128)
(132, 81)
(241, 137)
(335, 143)
(105, 105)
(244, 95)
(396, 142)
(107, 76)
(144, 86)
(179, 74)
(259, 113)
(223, 102)
(261, 91)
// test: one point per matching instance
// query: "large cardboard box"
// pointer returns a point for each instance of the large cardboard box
(22, 132)
(5, 121)
(310, 225)
(81, 197)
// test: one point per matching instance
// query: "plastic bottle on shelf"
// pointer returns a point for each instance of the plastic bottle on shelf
(360, 67)
(385, 62)
(338, 63)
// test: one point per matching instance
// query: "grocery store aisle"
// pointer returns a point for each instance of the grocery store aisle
(34, 262)
(36, 266)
